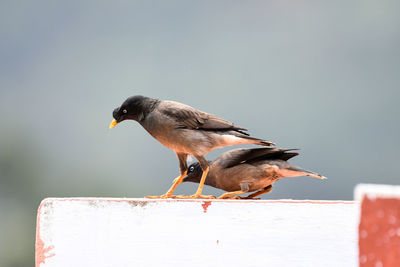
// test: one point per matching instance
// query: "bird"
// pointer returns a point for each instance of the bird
(245, 170)
(185, 130)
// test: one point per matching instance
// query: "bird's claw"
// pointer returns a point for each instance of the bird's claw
(161, 197)
(239, 197)
(207, 196)
(195, 196)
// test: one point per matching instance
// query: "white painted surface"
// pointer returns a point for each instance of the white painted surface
(142, 232)
(376, 190)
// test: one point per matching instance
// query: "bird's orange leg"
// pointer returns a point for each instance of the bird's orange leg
(176, 182)
(244, 188)
(230, 194)
(260, 192)
(199, 189)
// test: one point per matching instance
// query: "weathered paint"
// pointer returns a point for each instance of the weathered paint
(150, 232)
(41, 252)
(205, 205)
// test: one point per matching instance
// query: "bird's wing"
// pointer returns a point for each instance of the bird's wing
(188, 117)
(243, 155)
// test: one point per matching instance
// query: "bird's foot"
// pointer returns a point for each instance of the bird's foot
(239, 197)
(161, 197)
(235, 197)
(205, 196)
(195, 196)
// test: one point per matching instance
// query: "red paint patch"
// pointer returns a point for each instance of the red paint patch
(41, 252)
(379, 232)
(205, 205)
(40, 249)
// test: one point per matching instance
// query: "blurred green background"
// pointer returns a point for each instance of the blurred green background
(322, 76)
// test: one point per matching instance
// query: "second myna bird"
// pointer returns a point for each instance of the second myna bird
(247, 170)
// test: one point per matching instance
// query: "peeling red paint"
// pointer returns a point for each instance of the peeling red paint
(41, 252)
(205, 205)
(40, 249)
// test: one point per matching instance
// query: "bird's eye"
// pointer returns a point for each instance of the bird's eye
(191, 169)
(124, 111)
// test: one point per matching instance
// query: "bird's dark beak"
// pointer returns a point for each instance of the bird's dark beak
(113, 123)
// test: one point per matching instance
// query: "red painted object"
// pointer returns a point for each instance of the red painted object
(379, 232)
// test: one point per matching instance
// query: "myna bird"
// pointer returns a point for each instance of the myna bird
(247, 170)
(185, 130)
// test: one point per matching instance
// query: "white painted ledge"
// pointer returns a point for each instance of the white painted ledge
(143, 232)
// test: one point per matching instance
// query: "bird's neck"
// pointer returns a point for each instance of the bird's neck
(147, 106)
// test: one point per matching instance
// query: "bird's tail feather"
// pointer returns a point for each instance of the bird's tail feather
(316, 175)
(308, 173)
(258, 141)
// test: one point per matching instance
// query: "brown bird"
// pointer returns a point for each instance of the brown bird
(185, 130)
(247, 170)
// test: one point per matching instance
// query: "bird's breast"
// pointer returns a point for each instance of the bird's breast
(180, 140)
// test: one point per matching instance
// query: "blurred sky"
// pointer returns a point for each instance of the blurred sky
(322, 76)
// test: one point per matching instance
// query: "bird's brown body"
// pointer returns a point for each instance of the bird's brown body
(186, 130)
(249, 170)
(256, 175)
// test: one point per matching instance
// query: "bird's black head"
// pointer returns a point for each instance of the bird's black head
(194, 173)
(132, 109)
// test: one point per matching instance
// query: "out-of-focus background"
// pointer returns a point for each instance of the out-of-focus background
(322, 76)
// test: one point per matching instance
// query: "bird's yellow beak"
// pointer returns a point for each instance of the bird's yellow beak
(113, 123)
